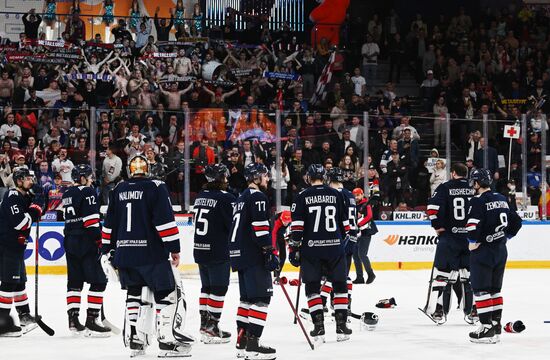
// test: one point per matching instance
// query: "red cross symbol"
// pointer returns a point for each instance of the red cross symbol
(512, 131)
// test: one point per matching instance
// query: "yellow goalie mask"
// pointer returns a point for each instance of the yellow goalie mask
(138, 165)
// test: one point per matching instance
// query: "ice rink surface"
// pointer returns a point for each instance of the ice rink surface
(402, 333)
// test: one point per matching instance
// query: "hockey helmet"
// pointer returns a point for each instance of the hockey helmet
(369, 321)
(316, 172)
(80, 170)
(254, 171)
(216, 172)
(138, 165)
(335, 174)
(482, 176)
(21, 173)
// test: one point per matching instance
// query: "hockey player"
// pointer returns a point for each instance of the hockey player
(447, 213)
(279, 236)
(82, 243)
(253, 256)
(490, 224)
(213, 217)
(335, 178)
(319, 228)
(17, 213)
(139, 234)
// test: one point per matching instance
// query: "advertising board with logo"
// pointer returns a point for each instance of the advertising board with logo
(397, 245)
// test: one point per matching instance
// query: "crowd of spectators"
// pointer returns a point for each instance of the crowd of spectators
(152, 73)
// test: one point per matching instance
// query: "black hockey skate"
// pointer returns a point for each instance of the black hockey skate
(137, 347)
(241, 343)
(342, 331)
(498, 331)
(485, 334)
(8, 328)
(204, 320)
(169, 350)
(27, 322)
(256, 351)
(213, 334)
(318, 332)
(472, 317)
(74, 323)
(439, 316)
(94, 326)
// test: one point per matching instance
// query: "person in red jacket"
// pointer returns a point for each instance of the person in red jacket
(278, 237)
(367, 228)
(202, 155)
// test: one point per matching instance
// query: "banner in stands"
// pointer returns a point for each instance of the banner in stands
(397, 245)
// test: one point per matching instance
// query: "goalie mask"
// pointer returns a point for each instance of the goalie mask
(138, 166)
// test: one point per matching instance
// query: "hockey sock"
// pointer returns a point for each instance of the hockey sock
(73, 299)
(21, 300)
(203, 299)
(468, 297)
(497, 307)
(242, 315)
(133, 302)
(6, 299)
(95, 296)
(215, 301)
(315, 305)
(350, 289)
(484, 305)
(326, 289)
(341, 298)
(257, 316)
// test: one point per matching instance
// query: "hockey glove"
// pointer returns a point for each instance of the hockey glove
(514, 327)
(36, 210)
(350, 244)
(294, 257)
(271, 261)
(22, 239)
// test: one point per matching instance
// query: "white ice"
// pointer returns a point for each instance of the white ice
(402, 333)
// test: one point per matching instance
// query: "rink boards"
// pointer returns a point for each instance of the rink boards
(406, 245)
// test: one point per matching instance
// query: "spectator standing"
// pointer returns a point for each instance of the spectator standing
(111, 174)
(439, 175)
(370, 51)
(63, 166)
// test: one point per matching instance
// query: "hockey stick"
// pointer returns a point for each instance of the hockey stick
(429, 289)
(48, 330)
(282, 281)
(297, 306)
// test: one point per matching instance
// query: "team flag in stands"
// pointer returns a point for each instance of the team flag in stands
(324, 80)
(511, 131)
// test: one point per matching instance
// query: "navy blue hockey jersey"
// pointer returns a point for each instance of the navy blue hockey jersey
(349, 201)
(15, 219)
(81, 211)
(213, 218)
(490, 219)
(448, 206)
(140, 223)
(320, 222)
(250, 230)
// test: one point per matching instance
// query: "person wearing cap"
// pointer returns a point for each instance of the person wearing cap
(428, 90)
(367, 228)
(279, 236)
(397, 133)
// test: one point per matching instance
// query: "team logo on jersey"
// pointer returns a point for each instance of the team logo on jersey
(51, 246)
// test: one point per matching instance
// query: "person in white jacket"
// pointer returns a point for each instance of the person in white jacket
(280, 182)
(439, 175)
